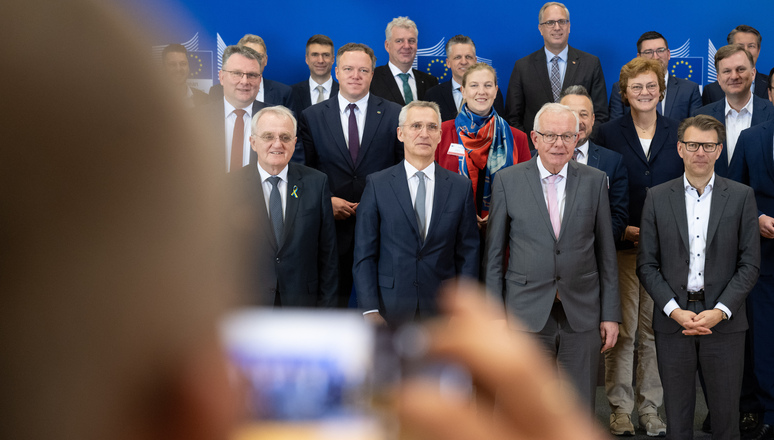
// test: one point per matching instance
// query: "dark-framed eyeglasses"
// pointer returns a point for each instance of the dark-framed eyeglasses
(550, 138)
(237, 75)
(552, 23)
(709, 147)
(649, 53)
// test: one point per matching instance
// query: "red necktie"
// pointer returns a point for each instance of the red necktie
(238, 140)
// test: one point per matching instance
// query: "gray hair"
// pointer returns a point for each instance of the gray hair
(548, 5)
(401, 22)
(459, 39)
(553, 107)
(252, 38)
(576, 90)
(278, 111)
(418, 104)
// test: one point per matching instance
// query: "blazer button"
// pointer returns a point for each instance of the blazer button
(558, 252)
(558, 278)
(278, 260)
(647, 173)
(416, 284)
(419, 258)
(682, 287)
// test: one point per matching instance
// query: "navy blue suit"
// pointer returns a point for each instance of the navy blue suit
(682, 99)
(664, 163)
(326, 149)
(762, 111)
(612, 164)
(394, 271)
(753, 165)
(713, 92)
(442, 95)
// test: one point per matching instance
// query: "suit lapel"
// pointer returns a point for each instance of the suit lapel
(448, 95)
(258, 198)
(768, 150)
(540, 71)
(372, 120)
(392, 85)
(672, 87)
(573, 59)
(570, 190)
(295, 190)
(537, 192)
(442, 191)
(677, 200)
(719, 200)
(659, 139)
(307, 95)
(333, 120)
(760, 111)
(630, 134)
(593, 160)
(399, 184)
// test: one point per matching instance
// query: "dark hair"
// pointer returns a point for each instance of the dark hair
(731, 49)
(703, 123)
(650, 35)
(771, 77)
(747, 29)
(321, 39)
(245, 51)
(174, 47)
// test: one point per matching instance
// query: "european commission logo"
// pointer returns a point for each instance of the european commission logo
(684, 66)
(433, 61)
(199, 61)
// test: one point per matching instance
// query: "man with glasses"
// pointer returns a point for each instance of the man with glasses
(231, 115)
(416, 227)
(348, 137)
(682, 96)
(748, 38)
(698, 258)
(561, 278)
(741, 109)
(541, 76)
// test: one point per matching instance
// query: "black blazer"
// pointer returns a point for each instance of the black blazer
(442, 95)
(530, 86)
(713, 92)
(383, 84)
(762, 111)
(326, 149)
(302, 95)
(212, 116)
(682, 99)
(303, 268)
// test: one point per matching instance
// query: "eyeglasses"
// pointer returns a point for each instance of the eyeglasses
(550, 138)
(649, 53)
(285, 138)
(237, 75)
(416, 127)
(709, 147)
(637, 88)
(551, 23)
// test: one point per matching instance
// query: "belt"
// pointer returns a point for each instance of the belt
(696, 296)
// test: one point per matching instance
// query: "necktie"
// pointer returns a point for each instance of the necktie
(556, 85)
(553, 204)
(408, 95)
(576, 154)
(459, 107)
(354, 137)
(238, 140)
(419, 204)
(320, 95)
(275, 209)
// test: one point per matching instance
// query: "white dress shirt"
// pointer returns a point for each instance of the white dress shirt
(230, 118)
(583, 153)
(413, 184)
(645, 143)
(736, 121)
(412, 81)
(562, 62)
(697, 210)
(360, 115)
(314, 94)
(282, 186)
(560, 186)
(456, 93)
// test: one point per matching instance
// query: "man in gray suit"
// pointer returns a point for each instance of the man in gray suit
(698, 258)
(561, 277)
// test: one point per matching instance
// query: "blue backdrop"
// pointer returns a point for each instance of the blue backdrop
(503, 31)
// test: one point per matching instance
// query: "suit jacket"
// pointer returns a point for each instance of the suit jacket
(213, 117)
(530, 86)
(274, 93)
(199, 97)
(301, 95)
(394, 270)
(618, 184)
(383, 84)
(762, 111)
(682, 99)
(664, 163)
(326, 149)
(442, 95)
(303, 268)
(713, 92)
(733, 251)
(580, 264)
(753, 165)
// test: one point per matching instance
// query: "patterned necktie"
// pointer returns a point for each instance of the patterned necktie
(320, 95)
(238, 141)
(553, 204)
(275, 209)
(354, 136)
(576, 154)
(408, 95)
(419, 204)
(459, 107)
(556, 85)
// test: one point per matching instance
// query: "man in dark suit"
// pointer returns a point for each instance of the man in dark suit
(295, 236)
(349, 137)
(561, 279)
(396, 81)
(174, 62)
(460, 54)
(770, 85)
(682, 96)
(541, 76)
(749, 38)
(698, 258)
(416, 227)
(591, 154)
(754, 166)
(269, 92)
(230, 116)
(320, 85)
(740, 109)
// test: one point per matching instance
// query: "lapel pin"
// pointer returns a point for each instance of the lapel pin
(294, 194)
(378, 112)
(573, 62)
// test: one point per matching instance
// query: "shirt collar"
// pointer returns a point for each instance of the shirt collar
(410, 170)
(283, 175)
(748, 106)
(361, 103)
(584, 149)
(708, 188)
(228, 108)
(395, 70)
(456, 85)
(562, 54)
(327, 85)
(545, 173)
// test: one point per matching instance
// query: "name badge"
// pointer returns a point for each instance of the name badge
(456, 150)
